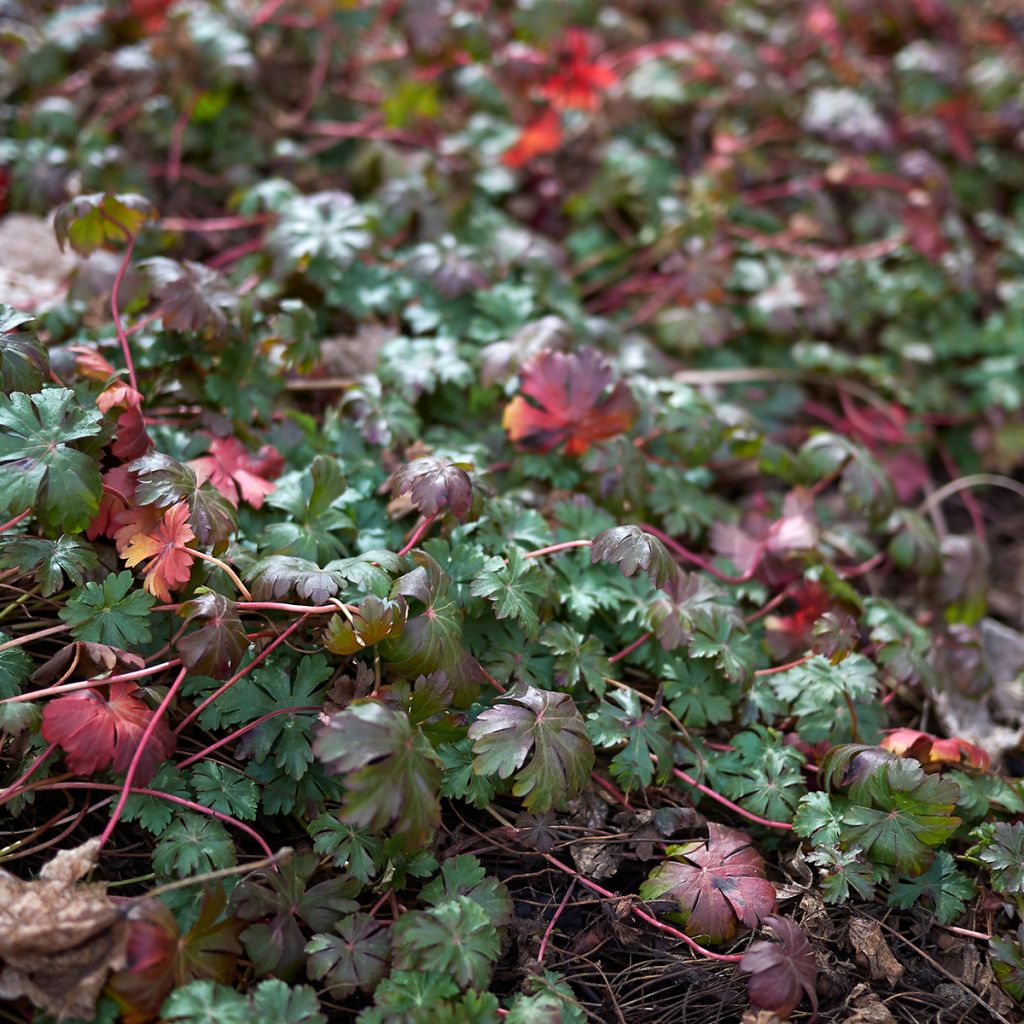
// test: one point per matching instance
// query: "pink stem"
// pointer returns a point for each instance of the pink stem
(418, 533)
(611, 790)
(643, 915)
(241, 732)
(133, 767)
(554, 920)
(236, 252)
(627, 651)
(178, 141)
(20, 641)
(494, 682)
(566, 545)
(190, 805)
(14, 522)
(214, 224)
(262, 656)
(124, 677)
(13, 788)
(866, 566)
(122, 336)
(773, 603)
(696, 559)
(707, 791)
(784, 668)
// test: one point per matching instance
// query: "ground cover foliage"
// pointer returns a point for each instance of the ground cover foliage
(517, 514)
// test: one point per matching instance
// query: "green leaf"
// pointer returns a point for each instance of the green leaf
(15, 669)
(24, 360)
(351, 848)
(193, 843)
(455, 938)
(1008, 963)
(274, 1002)
(943, 888)
(52, 560)
(206, 1002)
(354, 960)
(545, 725)
(373, 621)
(458, 780)
(545, 999)
(326, 228)
(645, 733)
(90, 221)
(514, 590)
(697, 694)
(762, 774)
(631, 548)
(843, 870)
(464, 875)
(391, 772)
(1003, 852)
(578, 658)
(819, 819)
(898, 815)
(38, 466)
(315, 503)
(110, 612)
(224, 789)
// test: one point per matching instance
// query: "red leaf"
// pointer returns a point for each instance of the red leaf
(132, 521)
(718, 885)
(571, 405)
(935, 753)
(786, 634)
(579, 82)
(781, 972)
(542, 135)
(118, 492)
(231, 469)
(170, 561)
(89, 363)
(95, 728)
(132, 439)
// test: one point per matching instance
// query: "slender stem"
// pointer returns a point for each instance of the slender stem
(20, 641)
(262, 656)
(206, 751)
(14, 522)
(554, 920)
(421, 529)
(282, 855)
(707, 791)
(611, 790)
(10, 790)
(494, 682)
(19, 601)
(124, 677)
(975, 480)
(270, 606)
(564, 546)
(136, 760)
(784, 668)
(627, 651)
(190, 805)
(232, 575)
(122, 337)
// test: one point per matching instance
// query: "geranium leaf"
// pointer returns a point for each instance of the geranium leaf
(783, 972)
(110, 612)
(371, 622)
(39, 467)
(192, 296)
(544, 727)
(235, 473)
(353, 960)
(24, 360)
(391, 772)
(217, 647)
(104, 725)
(90, 221)
(572, 404)
(434, 483)
(631, 548)
(52, 560)
(169, 564)
(718, 885)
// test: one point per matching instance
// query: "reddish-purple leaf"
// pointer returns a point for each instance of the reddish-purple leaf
(782, 972)
(435, 483)
(718, 885)
(217, 647)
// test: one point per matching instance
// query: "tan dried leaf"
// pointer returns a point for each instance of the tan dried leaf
(59, 939)
(873, 952)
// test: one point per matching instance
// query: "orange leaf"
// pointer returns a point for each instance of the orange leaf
(542, 135)
(231, 469)
(89, 363)
(120, 395)
(570, 403)
(170, 561)
(933, 752)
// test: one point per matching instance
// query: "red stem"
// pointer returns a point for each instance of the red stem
(178, 141)
(707, 791)
(20, 641)
(554, 920)
(122, 337)
(14, 522)
(627, 651)
(13, 788)
(124, 677)
(612, 790)
(494, 682)
(783, 668)
(564, 546)
(213, 224)
(262, 656)
(418, 533)
(696, 559)
(133, 767)
(241, 732)
(190, 805)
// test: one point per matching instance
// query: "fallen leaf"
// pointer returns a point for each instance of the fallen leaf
(58, 939)
(101, 725)
(934, 752)
(783, 972)
(872, 951)
(86, 660)
(233, 471)
(572, 404)
(170, 561)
